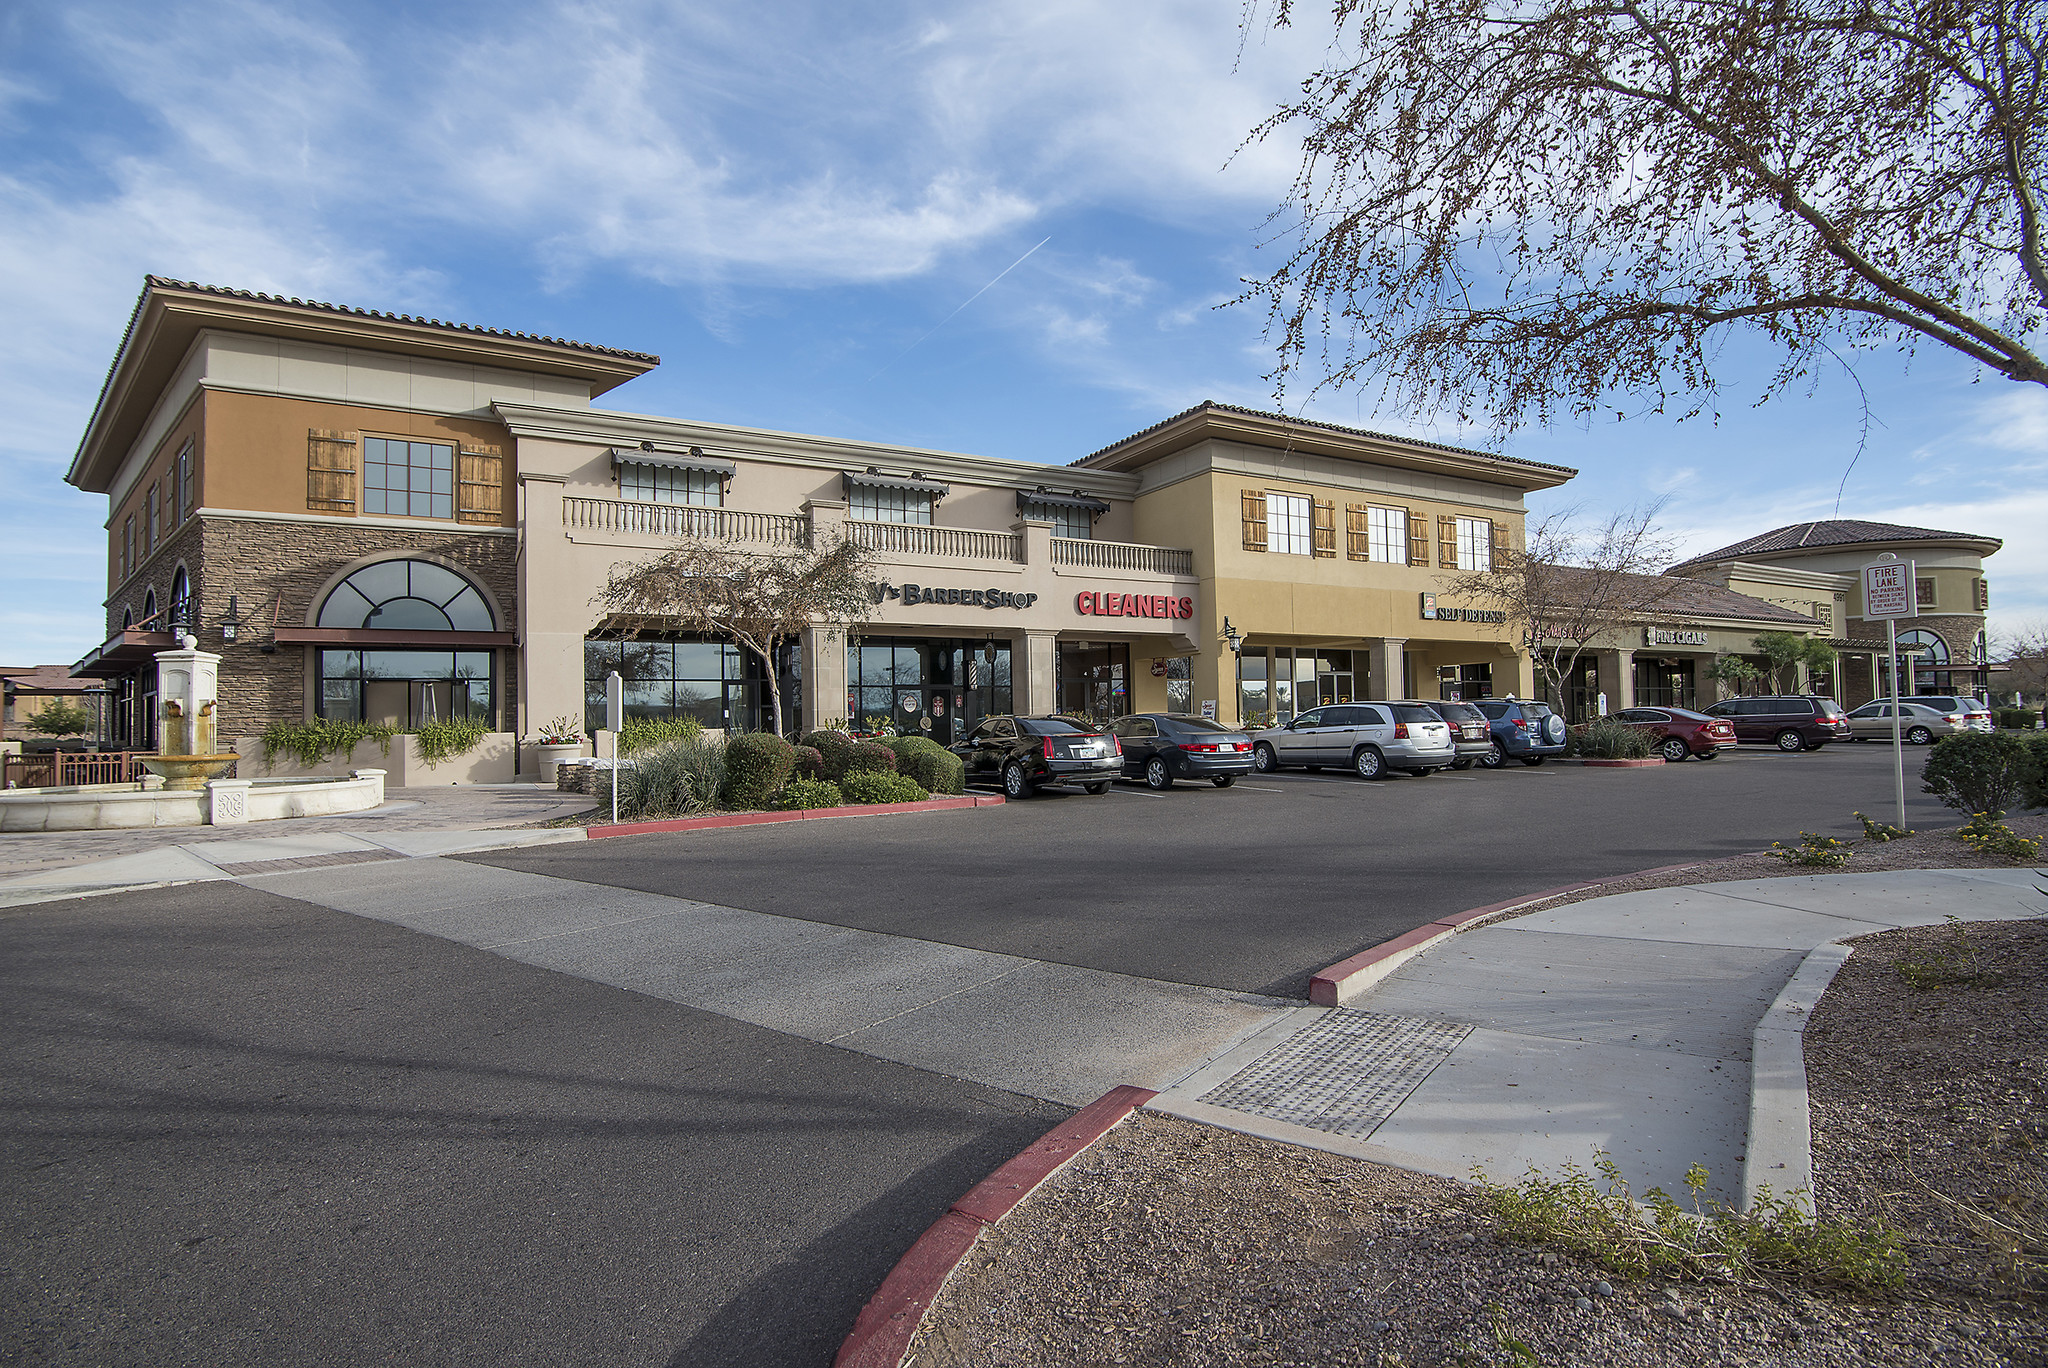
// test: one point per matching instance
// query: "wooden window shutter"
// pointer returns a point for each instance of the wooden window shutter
(1255, 520)
(1357, 532)
(330, 471)
(1500, 542)
(1322, 527)
(1418, 537)
(480, 485)
(1447, 541)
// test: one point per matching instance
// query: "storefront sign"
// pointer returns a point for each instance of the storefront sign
(1673, 636)
(1158, 667)
(912, 594)
(1434, 613)
(1089, 603)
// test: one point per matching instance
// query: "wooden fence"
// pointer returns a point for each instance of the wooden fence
(62, 769)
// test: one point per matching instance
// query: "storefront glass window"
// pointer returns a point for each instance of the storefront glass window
(1095, 680)
(669, 678)
(1251, 688)
(1180, 685)
(405, 688)
(1665, 684)
(927, 688)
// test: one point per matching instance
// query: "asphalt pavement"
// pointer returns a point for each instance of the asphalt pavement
(1251, 888)
(241, 1129)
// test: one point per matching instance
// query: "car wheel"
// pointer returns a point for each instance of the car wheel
(1369, 763)
(1464, 764)
(1789, 741)
(1157, 776)
(1494, 758)
(1674, 750)
(1015, 784)
(1097, 788)
(1920, 736)
(1224, 780)
(1532, 761)
(1262, 759)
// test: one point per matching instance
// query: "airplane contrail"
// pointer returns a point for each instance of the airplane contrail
(964, 303)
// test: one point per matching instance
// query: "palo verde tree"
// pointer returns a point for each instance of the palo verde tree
(1790, 652)
(760, 599)
(1571, 585)
(1513, 209)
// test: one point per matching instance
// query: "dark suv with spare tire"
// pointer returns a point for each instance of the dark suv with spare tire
(1027, 753)
(1523, 730)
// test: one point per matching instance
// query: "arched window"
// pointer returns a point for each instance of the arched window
(181, 601)
(127, 618)
(149, 611)
(1935, 654)
(407, 596)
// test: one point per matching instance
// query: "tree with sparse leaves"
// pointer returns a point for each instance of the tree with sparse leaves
(60, 717)
(760, 599)
(1514, 211)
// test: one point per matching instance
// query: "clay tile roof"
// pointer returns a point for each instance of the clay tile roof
(1675, 596)
(165, 282)
(1831, 532)
(1210, 406)
(47, 679)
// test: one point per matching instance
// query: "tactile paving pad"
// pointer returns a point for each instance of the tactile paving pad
(1344, 1075)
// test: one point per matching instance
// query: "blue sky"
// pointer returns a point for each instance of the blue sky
(789, 202)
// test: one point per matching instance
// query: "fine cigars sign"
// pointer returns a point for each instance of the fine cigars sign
(1091, 603)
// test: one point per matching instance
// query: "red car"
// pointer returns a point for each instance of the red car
(1679, 732)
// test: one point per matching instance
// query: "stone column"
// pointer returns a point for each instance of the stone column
(1034, 680)
(1389, 679)
(1035, 541)
(828, 518)
(552, 616)
(1617, 678)
(824, 686)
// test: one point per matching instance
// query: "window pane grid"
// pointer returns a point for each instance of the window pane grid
(870, 504)
(1475, 544)
(1287, 524)
(1074, 523)
(1387, 534)
(410, 479)
(666, 484)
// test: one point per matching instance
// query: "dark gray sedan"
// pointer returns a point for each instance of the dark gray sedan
(1162, 747)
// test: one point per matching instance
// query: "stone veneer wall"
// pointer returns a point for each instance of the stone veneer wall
(1958, 631)
(261, 562)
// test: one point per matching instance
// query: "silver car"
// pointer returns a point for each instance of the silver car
(1369, 738)
(1976, 713)
(1919, 721)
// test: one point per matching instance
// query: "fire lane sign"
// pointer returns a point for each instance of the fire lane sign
(1888, 590)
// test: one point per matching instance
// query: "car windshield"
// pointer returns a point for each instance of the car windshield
(1494, 710)
(1414, 712)
(1688, 715)
(1461, 712)
(1828, 707)
(1057, 726)
(1536, 709)
(1199, 724)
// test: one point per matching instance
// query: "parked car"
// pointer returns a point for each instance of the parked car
(1371, 738)
(1920, 721)
(1028, 753)
(1470, 731)
(1679, 732)
(1791, 722)
(1523, 730)
(1162, 747)
(1976, 714)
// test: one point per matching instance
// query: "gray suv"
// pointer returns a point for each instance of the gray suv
(1369, 738)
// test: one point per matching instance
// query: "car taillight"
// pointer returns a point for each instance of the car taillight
(1050, 753)
(1202, 750)
(1953, 717)
(1400, 731)
(1116, 744)
(1521, 724)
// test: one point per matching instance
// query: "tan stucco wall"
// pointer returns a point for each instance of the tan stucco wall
(159, 470)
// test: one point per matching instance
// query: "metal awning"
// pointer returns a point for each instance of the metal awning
(676, 458)
(1042, 495)
(874, 479)
(123, 653)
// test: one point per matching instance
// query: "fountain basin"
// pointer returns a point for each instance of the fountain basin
(188, 773)
(222, 802)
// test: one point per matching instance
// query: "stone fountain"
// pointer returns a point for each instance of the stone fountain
(187, 681)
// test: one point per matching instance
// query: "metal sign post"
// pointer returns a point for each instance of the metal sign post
(614, 721)
(1888, 593)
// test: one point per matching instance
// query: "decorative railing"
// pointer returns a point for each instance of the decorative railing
(1102, 555)
(684, 520)
(61, 769)
(952, 543)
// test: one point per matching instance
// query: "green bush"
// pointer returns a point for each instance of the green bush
(2016, 719)
(645, 733)
(928, 762)
(662, 782)
(1604, 738)
(444, 740)
(882, 786)
(810, 763)
(2034, 783)
(1986, 835)
(870, 755)
(1982, 771)
(1820, 852)
(756, 765)
(802, 795)
(834, 747)
(313, 741)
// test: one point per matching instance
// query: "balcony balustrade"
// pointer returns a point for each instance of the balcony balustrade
(684, 520)
(946, 543)
(1129, 556)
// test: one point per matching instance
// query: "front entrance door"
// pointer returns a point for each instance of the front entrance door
(938, 712)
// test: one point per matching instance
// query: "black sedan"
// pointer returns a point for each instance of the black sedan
(1162, 747)
(1027, 753)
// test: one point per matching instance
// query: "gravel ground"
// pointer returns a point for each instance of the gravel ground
(1171, 1243)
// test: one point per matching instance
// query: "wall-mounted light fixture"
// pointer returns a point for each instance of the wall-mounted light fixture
(1231, 637)
(231, 625)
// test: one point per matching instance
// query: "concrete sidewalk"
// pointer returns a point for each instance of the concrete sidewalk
(1621, 1024)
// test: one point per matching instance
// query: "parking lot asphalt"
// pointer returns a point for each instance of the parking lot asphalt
(240, 1129)
(1251, 888)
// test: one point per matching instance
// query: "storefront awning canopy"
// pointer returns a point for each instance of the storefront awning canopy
(1042, 495)
(689, 458)
(123, 653)
(874, 479)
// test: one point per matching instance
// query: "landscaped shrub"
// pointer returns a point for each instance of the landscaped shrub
(645, 733)
(1605, 738)
(870, 755)
(756, 765)
(2034, 784)
(835, 747)
(810, 763)
(2016, 719)
(450, 737)
(315, 740)
(661, 782)
(928, 762)
(882, 786)
(804, 794)
(1981, 771)
(1986, 835)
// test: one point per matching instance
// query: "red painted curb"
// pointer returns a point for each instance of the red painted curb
(1326, 986)
(740, 819)
(883, 1330)
(1622, 764)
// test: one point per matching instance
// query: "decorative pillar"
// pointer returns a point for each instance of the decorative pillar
(1034, 541)
(824, 686)
(1389, 677)
(1039, 676)
(1617, 678)
(553, 616)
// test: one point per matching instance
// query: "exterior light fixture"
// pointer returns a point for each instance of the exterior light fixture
(231, 625)
(1230, 635)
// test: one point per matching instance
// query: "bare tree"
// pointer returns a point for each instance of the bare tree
(758, 598)
(1511, 210)
(2024, 641)
(1572, 584)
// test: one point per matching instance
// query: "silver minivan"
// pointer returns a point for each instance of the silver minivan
(1369, 738)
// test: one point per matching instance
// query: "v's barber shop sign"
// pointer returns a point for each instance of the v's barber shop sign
(991, 597)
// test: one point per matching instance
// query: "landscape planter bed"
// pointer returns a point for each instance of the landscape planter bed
(738, 819)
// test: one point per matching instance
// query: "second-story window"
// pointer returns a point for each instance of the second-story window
(873, 503)
(1475, 544)
(1923, 592)
(185, 481)
(128, 547)
(665, 484)
(1067, 521)
(1387, 534)
(409, 479)
(1287, 524)
(155, 527)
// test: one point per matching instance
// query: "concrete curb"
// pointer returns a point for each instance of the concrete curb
(1622, 764)
(1780, 1150)
(1347, 978)
(740, 819)
(883, 1330)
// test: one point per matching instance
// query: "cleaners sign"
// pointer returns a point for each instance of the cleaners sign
(1092, 603)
